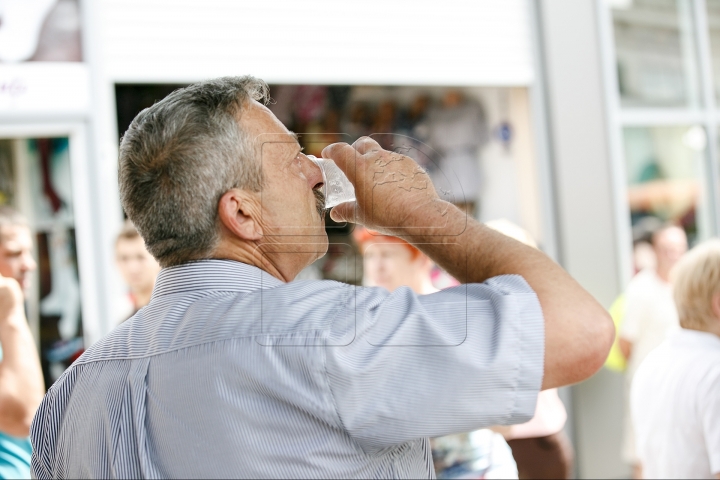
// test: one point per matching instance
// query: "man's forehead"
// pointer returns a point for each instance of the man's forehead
(670, 236)
(135, 243)
(14, 235)
(264, 126)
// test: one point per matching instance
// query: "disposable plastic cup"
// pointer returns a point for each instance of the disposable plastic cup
(336, 186)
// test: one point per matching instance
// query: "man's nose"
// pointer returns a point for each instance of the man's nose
(312, 173)
(29, 263)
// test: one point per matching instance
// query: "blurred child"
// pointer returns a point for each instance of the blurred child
(675, 394)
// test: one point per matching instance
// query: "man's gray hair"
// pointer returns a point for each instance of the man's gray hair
(9, 217)
(179, 157)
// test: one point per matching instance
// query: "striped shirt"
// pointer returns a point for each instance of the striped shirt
(229, 372)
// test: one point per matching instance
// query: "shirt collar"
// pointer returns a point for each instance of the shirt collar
(696, 339)
(225, 275)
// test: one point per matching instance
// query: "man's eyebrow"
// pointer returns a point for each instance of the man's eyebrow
(294, 135)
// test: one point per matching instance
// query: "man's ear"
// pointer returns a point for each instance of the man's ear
(239, 212)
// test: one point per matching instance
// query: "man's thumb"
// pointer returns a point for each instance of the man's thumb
(345, 212)
(344, 157)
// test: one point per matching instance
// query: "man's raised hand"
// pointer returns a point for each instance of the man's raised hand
(392, 191)
(11, 300)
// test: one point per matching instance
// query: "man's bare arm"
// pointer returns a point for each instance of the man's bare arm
(394, 198)
(21, 380)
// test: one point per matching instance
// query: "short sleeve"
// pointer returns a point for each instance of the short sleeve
(709, 408)
(458, 360)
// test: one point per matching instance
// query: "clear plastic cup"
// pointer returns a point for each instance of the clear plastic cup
(336, 186)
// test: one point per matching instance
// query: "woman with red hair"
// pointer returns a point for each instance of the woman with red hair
(390, 262)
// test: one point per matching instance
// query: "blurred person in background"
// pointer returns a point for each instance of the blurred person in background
(21, 380)
(643, 257)
(675, 395)
(391, 263)
(649, 316)
(138, 268)
(234, 370)
(540, 447)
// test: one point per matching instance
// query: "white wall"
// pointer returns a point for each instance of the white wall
(427, 42)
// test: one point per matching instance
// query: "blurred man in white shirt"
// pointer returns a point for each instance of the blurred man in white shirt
(675, 396)
(649, 316)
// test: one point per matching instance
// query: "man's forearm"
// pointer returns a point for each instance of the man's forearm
(577, 326)
(21, 380)
(472, 252)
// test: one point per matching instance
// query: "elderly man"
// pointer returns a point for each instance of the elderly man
(21, 380)
(232, 370)
(649, 316)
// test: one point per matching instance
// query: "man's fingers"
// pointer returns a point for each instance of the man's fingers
(344, 157)
(345, 212)
(366, 144)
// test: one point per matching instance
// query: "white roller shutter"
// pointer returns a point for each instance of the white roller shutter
(446, 42)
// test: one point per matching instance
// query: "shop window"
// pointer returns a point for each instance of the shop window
(666, 175)
(35, 178)
(656, 53)
(713, 20)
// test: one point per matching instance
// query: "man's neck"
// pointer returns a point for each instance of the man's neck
(250, 255)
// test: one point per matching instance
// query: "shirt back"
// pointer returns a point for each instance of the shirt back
(230, 373)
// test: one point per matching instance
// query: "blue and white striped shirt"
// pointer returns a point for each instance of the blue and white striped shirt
(229, 372)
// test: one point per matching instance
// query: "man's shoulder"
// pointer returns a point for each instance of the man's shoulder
(186, 319)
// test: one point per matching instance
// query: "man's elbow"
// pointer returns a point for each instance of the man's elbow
(16, 415)
(581, 349)
(16, 426)
(598, 341)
